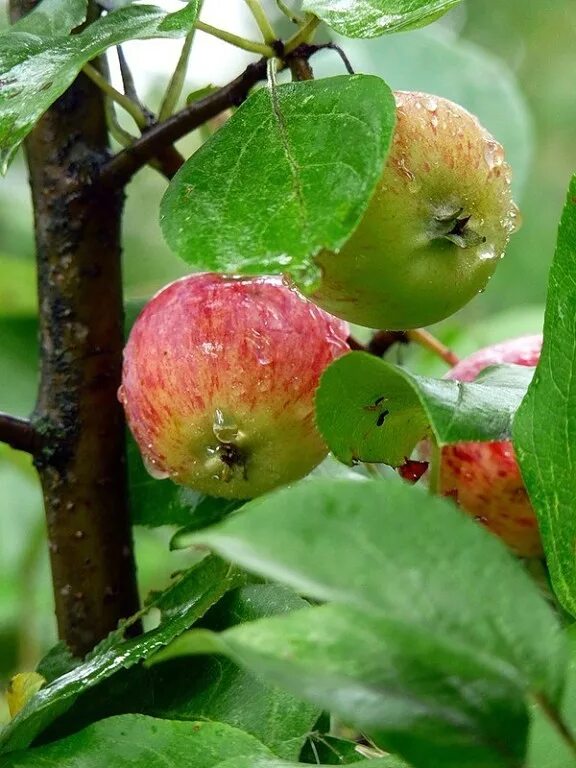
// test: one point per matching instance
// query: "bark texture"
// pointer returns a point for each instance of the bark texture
(78, 418)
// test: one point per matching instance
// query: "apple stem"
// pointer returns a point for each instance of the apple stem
(432, 344)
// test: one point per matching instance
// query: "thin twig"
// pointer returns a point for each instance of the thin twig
(127, 77)
(120, 169)
(426, 340)
(18, 433)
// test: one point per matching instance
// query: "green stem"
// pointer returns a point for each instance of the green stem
(133, 109)
(304, 34)
(239, 42)
(123, 137)
(292, 15)
(176, 83)
(262, 21)
(426, 340)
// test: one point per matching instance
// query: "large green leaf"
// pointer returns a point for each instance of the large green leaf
(370, 410)
(215, 688)
(137, 741)
(181, 605)
(370, 18)
(290, 173)
(545, 426)
(38, 63)
(434, 635)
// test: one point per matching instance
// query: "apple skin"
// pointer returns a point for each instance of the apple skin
(218, 383)
(484, 478)
(435, 228)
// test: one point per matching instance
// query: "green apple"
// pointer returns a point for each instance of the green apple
(435, 228)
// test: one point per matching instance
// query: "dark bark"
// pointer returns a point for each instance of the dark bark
(78, 418)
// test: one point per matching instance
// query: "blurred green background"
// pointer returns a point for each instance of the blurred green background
(510, 63)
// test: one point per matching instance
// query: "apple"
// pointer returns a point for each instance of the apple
(218, 383)
(435, 228)
(484, 478)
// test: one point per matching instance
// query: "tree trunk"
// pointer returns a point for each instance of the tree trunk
(82, 464)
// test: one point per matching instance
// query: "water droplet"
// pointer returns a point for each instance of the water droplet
(431, 104)
(225, 430)
(153, 469)
(493, 154)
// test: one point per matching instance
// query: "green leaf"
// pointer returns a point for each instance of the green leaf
(215, 688)
(52, 18)
(545, 426)
(435, 634)
(137, 741)
(370, 18)
(369, 410)
(36, 68)
(181, 605)
(304, 157)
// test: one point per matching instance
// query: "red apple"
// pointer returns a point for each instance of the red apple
(484, 478)
(218, 383)
(435, 228)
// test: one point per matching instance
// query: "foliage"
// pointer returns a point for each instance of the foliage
(348, 618)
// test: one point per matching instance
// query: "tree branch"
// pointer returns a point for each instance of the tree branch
(119, 170)
(18, 433)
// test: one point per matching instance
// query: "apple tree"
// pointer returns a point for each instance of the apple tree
(378, 562)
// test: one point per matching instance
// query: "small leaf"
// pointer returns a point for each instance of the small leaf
(370, 18)
(289, 173)
(137, 741)
(181, 605)
(545, 426)
(369, 410)
(21, 688)
(37, 67)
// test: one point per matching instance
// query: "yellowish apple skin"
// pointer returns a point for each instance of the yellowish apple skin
(218, 383)
(435, 228)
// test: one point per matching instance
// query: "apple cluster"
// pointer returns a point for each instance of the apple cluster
(220, 371)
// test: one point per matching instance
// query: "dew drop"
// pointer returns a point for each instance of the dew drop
(493, 154)
(154, 470)
(431, 104)
(225, 430)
